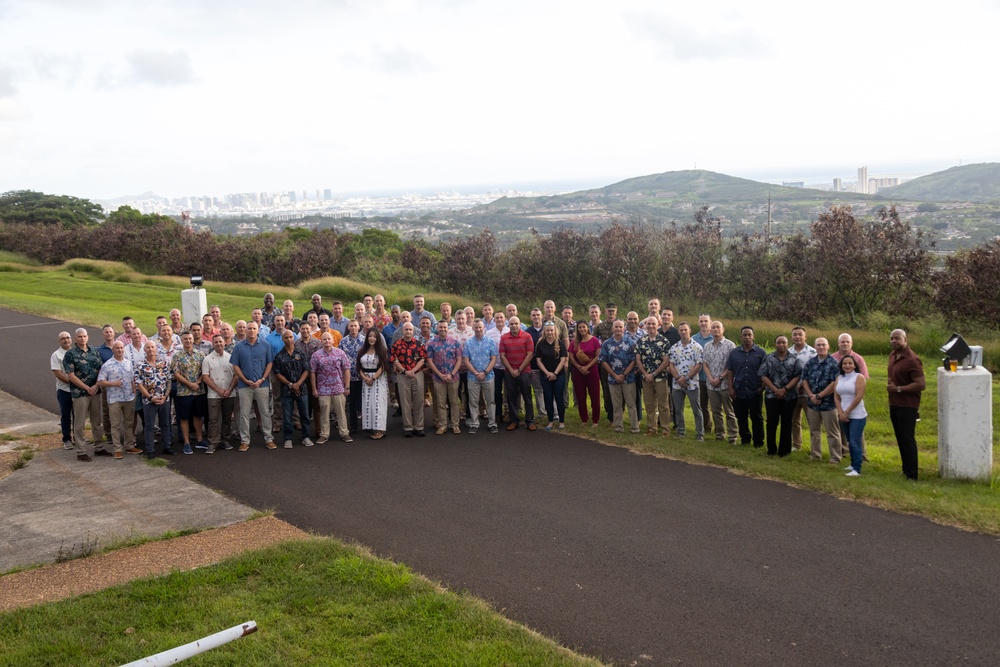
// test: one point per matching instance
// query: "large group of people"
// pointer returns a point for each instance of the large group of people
(198, 386)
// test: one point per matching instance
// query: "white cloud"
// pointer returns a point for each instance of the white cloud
(7, 87)
(159, 68)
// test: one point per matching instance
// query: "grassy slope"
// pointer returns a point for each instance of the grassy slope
(315, 602)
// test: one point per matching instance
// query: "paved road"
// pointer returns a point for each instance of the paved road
(631, 558)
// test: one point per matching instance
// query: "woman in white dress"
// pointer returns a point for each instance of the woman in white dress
(373, 361)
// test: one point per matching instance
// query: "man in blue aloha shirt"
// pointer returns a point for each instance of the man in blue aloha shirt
(617, 358)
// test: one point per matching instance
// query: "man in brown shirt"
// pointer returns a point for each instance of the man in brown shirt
(906, 381)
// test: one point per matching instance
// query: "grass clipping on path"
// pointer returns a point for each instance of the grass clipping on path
(316, 602)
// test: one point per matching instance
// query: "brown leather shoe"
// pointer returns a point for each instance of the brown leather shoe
(512, 426)
(133, 450)
(119, 456)
(532, 427)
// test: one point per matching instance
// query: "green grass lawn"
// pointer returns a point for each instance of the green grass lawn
(975, 506)
(316, 602)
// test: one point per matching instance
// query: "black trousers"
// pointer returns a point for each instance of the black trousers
(750, 407)
(779, 414)
(904, 425)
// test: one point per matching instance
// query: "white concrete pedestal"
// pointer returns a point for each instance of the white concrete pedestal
(965, 424)
(194, 306)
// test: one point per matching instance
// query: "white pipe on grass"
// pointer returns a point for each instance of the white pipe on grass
(184, 652)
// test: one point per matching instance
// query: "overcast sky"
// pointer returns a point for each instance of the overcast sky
(100, 98)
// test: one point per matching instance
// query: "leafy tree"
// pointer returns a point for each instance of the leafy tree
(968, 287)
(28, 206)
(864, 266)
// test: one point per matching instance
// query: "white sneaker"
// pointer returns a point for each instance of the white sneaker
(288, 444)
(307, 442)
(853, 473)
(68, 444)
(849, 468)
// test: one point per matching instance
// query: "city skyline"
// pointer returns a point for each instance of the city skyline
(106, 98)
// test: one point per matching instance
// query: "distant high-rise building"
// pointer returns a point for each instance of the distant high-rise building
(291, 196)
(863, 180)
(328, 194)
(794, 184)
(838, 185)
(305, 196)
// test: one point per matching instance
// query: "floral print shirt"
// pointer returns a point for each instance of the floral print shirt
(715, 355)
(478, 351)
(155, 377)
(114, 370)
(618, 355)
(445, 354)
(684, 358)
(189, 366)
(351, 347)
(651, 352)
(86, 365)
(781, 373)
(819, 374)
(329, 367)
(408, 354)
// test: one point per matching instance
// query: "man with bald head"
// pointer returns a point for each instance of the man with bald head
(905, 384)
(63, 389)
(408, 357)
(252, 360)
(118, 383)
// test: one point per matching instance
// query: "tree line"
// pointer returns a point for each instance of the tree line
(846, 267)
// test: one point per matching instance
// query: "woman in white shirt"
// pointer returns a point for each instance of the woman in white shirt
(850, 399)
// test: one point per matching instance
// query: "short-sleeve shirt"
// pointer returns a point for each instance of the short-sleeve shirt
(651, 352)
(308, 346)
(85, 365)
(745, 366)
(715, 355)
(517, 348)
(291, 366)
(252, 360)
(329, 367)
(407, 353)
(780, 373)
(684, 358)
(56, 364)
(113, 371)
(189, 366)
(478, 351)
(155, 377)
(820, 374)
(547, 356)
(217, 367)
(445, 354)
(351, 347)
(904, 368)
(703, 341)
(618, 355)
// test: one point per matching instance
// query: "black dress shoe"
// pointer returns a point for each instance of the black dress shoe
(419, 434)
(102, 452)
(167, 452)
(408, 434)
(84, 457)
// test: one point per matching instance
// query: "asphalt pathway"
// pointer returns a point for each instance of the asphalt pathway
(631, 558)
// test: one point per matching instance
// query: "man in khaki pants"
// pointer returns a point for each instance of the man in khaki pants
(331, 382)
(408, 358)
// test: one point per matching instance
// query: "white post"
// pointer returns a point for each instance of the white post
(175, 655)
(965, 423)
(194, 306)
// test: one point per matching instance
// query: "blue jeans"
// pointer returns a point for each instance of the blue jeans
(150, 412)
(554, 391)
(855, 429)
(65, 413)
(288, 404)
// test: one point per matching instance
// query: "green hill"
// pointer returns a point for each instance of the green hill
(978, 183)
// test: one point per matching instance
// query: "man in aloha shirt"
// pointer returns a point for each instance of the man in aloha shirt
(444, 357)
(634, 333)
(191, 402)
(819, 382)
(152, 380)
(703, 336)
(480, 356)
(780, 374)
(126, 336)
(686, 358)
(804, 351)
(220, 384)
(268, 312)
(652, 362)
(330, 380)
(82, 364)
(715, 355)
(351, 344)
(291, 372)
(408, 357)
(118, 382)
(381, 315)
(617, 358)
(288, 312)
(462, 332)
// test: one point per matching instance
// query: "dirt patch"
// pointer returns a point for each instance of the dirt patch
(85, 575)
